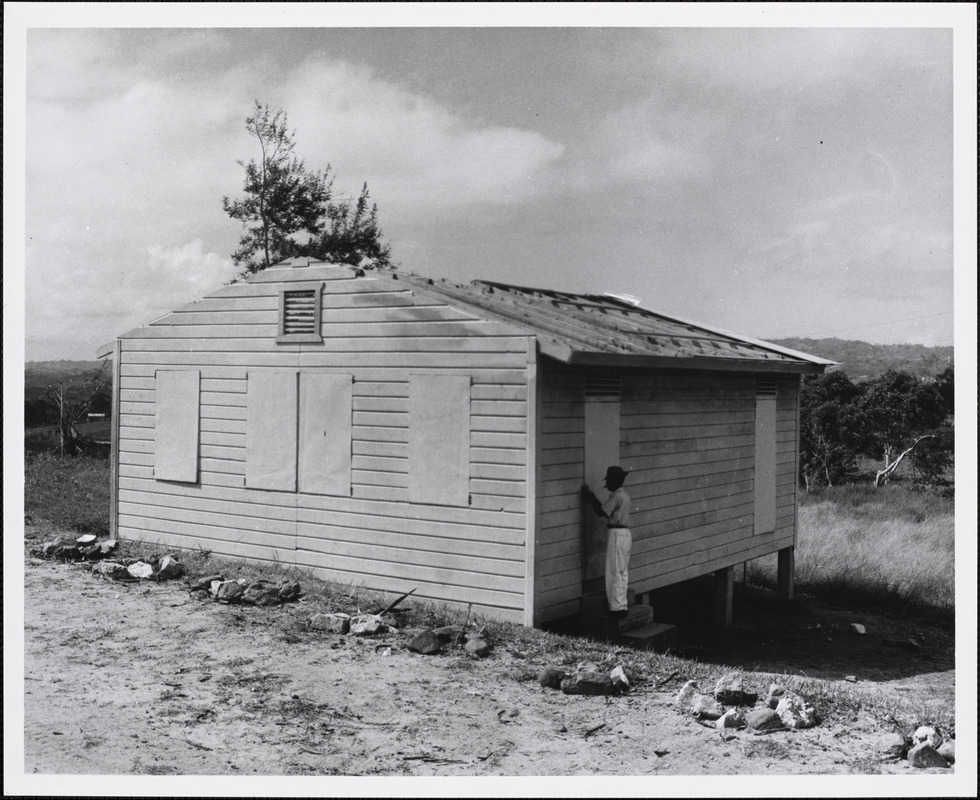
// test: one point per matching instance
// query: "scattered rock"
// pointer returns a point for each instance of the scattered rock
(140, 569)
(169, 568)
(261, 593)
(332, 623)
(448, 633)
(590, 683)
(551, 677)
(216, 585)
(204, 583)
(427, 643)
(732, 718)
(476, 647)
(795, 712)
(891, 746)
(687, 693)
(763, 719)
(86, 539)
(924, 755)
(858, 628)
(851, 678)
(367, 625)
(926, 734)
(289, 591)
(111, 569)
(948, 751)
(706, 707)
(229, 591)
(108, 547)
(730, 691)
(775, 694)
(619, 679)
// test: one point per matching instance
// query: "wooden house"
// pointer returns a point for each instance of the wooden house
(400, 433)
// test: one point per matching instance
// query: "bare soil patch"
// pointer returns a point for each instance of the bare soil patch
(144, 678)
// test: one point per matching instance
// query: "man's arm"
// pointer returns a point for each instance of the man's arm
(592, 500)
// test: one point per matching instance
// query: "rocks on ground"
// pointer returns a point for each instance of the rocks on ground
(257, 592)
(586, 678)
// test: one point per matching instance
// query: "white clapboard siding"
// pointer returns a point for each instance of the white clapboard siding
(380, 334)
(688, 443)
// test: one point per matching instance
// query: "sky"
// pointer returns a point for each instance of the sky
(771, 181)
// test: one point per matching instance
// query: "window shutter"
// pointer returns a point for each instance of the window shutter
(177, 425)
(439, 439)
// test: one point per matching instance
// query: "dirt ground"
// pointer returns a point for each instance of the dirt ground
(146, 679)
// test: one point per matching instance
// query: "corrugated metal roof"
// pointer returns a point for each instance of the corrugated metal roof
(604, 330)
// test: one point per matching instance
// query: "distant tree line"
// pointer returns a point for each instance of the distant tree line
(893, 419)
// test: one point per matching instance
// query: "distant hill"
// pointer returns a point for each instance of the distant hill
(863, 361)
(40, 374)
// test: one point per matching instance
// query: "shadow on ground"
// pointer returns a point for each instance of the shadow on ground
(806, 637)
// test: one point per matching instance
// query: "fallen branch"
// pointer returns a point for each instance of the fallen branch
(591, 731)
(394, 605)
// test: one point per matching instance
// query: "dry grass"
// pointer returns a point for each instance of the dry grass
(891, 548)
(71, 492)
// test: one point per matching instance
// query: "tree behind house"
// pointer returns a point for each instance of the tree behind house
(287, 210)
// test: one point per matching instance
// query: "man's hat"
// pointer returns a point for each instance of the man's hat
(617, 473)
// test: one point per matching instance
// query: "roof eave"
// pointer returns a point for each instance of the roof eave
(625, 360)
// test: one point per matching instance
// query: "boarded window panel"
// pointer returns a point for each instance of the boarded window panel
(178, 395)
(439, 439)
(765, 462)
(325, 408)
(270, 431)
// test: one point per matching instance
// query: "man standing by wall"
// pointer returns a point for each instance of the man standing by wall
(616, 511)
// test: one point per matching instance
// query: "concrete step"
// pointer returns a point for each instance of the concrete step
(657, 636)
(599, 624)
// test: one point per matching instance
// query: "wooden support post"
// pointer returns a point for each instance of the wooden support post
(724, 591)
(785, 574)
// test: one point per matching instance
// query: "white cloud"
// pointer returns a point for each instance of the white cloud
(414, 153)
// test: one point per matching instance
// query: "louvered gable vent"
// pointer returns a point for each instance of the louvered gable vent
(299, 315)
(602, 389)
(765, 387)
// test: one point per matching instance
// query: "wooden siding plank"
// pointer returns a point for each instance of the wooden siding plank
(309, 537)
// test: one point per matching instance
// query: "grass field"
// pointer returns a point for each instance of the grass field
(890, 547)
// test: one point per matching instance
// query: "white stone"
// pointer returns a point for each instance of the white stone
(140, 570)
(926, 734)
(856, 627)
(795, 712)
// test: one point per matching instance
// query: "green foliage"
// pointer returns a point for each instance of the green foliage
(69, 492)
(281, 197)
(898, 407)
(832, 428)
(288, 211)
(883, 419)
